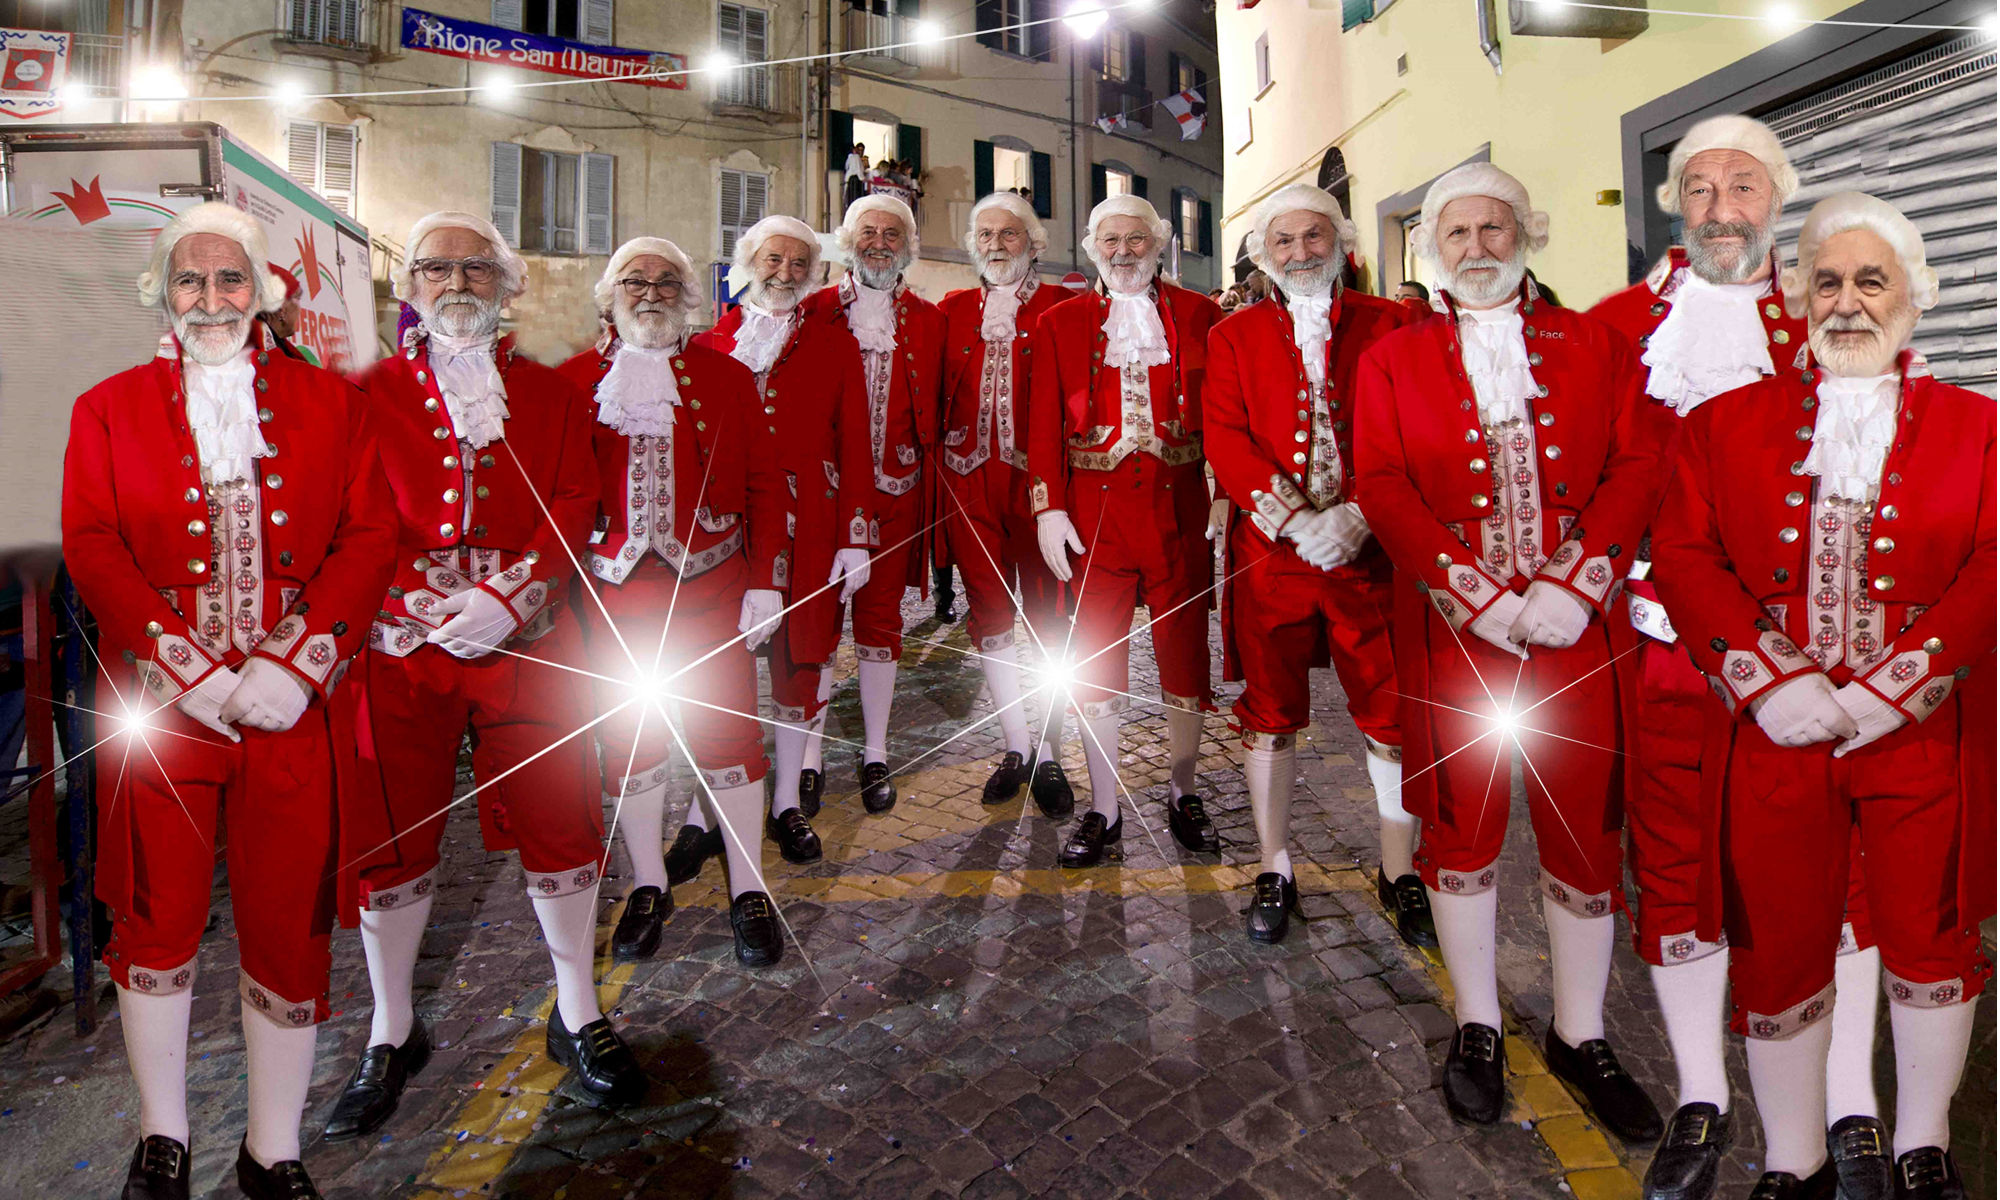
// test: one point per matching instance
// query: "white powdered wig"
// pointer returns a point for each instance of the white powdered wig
(843, 238)
(1730, 132)
(1842, 212)
(752, 243)
(1479, 179)
(1127, 205)
(692, 297)
(1038, 237)
(513, 268)
(1294, 197)
(221, 219)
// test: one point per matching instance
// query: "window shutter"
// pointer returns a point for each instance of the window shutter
(1354, 12)
(1096, 184)
(302, 152)
(987, 20)
(597, 200)
(839, 136)
(510, 14)
(755, 193)
(344, 22)
(1096, 56)
(339, 144)
(982, 169)
(596, 22)
(729, 212)
(758, 81)
(506, 192)
(729, 30)
(910, 147)
(1044, 185)
(1207, 229)
(1139, 186)
(1135, 56)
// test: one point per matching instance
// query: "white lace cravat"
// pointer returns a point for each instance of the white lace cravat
(1496, 360)
(872, 318)
(1711, 342)
(474, 394)
(638, 394)
(1133, 334)
(761, 336)
(997, 319)
(1312, 328)
(1851, 435)
(222, 413)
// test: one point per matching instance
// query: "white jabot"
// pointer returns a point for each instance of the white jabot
(1851, 436)
(638, 394)
(996, 319)
(1496, 360)
(1312, 328)
(222, 412)
(474, 394)
(761, 336)
(872, 318)
(1133, 334)
(1711, 342)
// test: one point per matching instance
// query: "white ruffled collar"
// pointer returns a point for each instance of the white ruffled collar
(222, 414)
(871, 314)
(1711, 342)
(1133, 332)
(1312, 329)
(1000, 316)
(762, 335)
(1496, 361)
(637, 396)
(1852, 433)
(468, 376)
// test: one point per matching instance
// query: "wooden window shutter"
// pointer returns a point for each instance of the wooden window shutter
(506, 176)
(598, 183)
(1044, 185)
(982, 169)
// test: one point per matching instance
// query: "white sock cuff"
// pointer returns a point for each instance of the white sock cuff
(548, 885)
(278, 1010)
(383, 899)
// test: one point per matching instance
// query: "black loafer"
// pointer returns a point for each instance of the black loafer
(1614, 1097)
(692, 847)
(1051, 790)
(1190, 825)
(878, 793)
(796, 839)
(1273, 900)
(159, 1170)
(1405, 902)
(285, 1180)
(1858, 1147)
(1005, 782)
(1475, 1074)
(1928, 1173)
(637, 936)
(812, 787)
(1085, 847)
(1783, 1185)
(943, 614)
(758, 942)
(376, 1087)
(605, 1068)
(1689, 1156)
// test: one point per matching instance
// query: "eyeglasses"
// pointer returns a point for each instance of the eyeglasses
(437, 270)
(194, 283)
(669, 289)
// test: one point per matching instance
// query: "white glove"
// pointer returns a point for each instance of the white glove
(270, 698)
(761, 608)
(1330, 537)
(1801, 711)
(1218, 517)
(1549, 617)
(851, 565)
(483, 622)
(1872, 718)
(203, 702)
(1493, 625)
(1055, 533)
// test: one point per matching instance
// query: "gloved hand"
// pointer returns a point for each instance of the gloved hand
(203, 702)
(483, 621)
(1218, 517)
(1494, 625)
(269, 698)
(761, 608)
(1330, 537)
(1549, 617)
(1055, 533)
(1801, 711)
(851, 565)
(1872, 718)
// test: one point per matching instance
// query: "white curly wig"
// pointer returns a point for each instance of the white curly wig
(1020, 209)
(693, 299)
(753, 239)
(513, 268)
(1127, 205)
(1479, 179)
(1844, 211)
(843, 238)
(1730, 132)
(221, 219)
(1295, 197)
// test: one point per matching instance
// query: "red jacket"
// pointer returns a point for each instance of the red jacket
(726, 499)
(523, 505)
(1076, 406)
(968, 445)
(1638, 310)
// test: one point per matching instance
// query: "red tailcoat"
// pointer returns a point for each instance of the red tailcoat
(968, 444)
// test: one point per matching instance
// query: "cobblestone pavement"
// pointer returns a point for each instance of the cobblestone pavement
(962, 1018)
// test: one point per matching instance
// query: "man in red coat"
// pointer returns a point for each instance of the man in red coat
(1114, 459)
(224, 518)
(988, 526)
(1707, 319)
(814, 429)
(1305, 582)
(901, 336)
(680, 505)
(489, 460)
(1508, 464)
(1827, 550)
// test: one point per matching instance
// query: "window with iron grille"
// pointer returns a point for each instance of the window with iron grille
(330, 22)
(323, 157)
(740, 34)
(743, 197)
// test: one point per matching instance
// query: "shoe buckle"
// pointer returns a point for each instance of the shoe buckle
(1921, 1170)
(1863, 1140)
(756, 909)
(170, 1152)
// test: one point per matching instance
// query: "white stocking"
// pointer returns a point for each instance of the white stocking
(390, 938)
(641, 817)
(1850, 1060)
(1692, 997)
(700, 814)
(1399, 828)
(1788, 1081)
(1183, 749)
(1270, 775)
(742, 809)
(280, 1070)
(815, 757)
(788, 752)
(1580, 962)
(1931, 1044)
(878, 688)
(569, 924)
(156, 1037)
(1100, 755)
(1465, 926)
(1003, 680)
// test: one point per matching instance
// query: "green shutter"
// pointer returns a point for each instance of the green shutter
(1354, 12)
(1135, 50)
(1044, 185)
(839, 138)
(1139, 186)
(1096, 184)
(1207, 229)
(982, 169)
(910, 147)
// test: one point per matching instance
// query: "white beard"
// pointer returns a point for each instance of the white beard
(1876, 356)
(460, 314)
(1131, 276)
(1706, 263)
(650, 326)
(1496, 288)
(211, 344)
(882, 275)
(1005, 270)
(774, 297)
(1319, 280)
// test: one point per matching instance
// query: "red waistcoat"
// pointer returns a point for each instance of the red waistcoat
(967, 445)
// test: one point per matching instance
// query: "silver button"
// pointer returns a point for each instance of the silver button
(1788, 535)
(279, 517)
(447, 529)
(1794, 499)
(274, 481)
(197, 528)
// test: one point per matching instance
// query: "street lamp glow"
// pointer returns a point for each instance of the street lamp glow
(159, 83)
(1781, 15)
(1086, 18)
(925, 32)
(718, 60)
(496, 87)
(288, 92)
(73, 93)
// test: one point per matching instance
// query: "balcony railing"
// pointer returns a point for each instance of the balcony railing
(760, 93)
(862, 30)
(97, 63)
(339, 28)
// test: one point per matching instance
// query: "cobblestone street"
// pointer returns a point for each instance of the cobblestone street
(957, 1016)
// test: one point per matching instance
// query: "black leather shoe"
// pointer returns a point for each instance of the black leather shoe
(1475, 1074)
(1405, 902)
(796, 839)
(1689, 1155)
(604, 1066)
(1273, 900)
(1005, 782)
(943, 613)
(159, 1170)
(1190, 825)
(878, 792)
(637, 936)
(1783, 1185)
(376, 1087)
(1614, 1098)
(285, 1180)
(692, 847)
(1085, 847)
(1928, 1173)
(1859, 1147)
(1051, 790)
(758, 942)
(812, 787)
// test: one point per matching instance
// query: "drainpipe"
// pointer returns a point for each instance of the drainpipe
(1489, 39)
